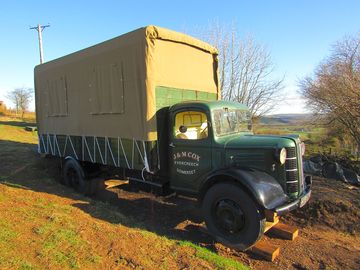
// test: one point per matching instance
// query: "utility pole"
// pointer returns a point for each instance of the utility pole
(39, 28)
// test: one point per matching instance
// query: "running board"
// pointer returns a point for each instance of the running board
(160, 189)
(146, 182)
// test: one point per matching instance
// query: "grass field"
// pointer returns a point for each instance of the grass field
(45, 225)
(316, 138)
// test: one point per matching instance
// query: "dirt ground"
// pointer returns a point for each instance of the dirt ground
(329, 226)
(124, 227)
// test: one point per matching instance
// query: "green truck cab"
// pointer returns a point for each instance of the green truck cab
(146, 106)
(214, 155)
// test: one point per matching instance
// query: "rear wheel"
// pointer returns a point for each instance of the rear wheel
(74, 177)
(232, 216)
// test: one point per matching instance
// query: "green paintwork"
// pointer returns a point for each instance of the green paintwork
(254, 151)
(242, 150)
(254, 141)
(198, 154)
(166, 96)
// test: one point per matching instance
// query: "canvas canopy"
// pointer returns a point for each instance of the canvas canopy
(114, 89)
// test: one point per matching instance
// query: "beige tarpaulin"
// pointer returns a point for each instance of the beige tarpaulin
(108, 90)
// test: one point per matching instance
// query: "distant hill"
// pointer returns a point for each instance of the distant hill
(285, 119)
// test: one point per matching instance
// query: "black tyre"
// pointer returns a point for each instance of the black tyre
(74, 177)
(232, 216)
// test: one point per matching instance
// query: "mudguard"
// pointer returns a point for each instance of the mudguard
(263, 187)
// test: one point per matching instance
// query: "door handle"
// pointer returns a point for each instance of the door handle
(172, 145)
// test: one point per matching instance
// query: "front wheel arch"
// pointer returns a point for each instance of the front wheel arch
(263, 188)
(217, 179)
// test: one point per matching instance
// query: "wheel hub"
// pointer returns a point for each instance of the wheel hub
(229, 216)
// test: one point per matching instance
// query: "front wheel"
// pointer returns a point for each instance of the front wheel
(232, 216)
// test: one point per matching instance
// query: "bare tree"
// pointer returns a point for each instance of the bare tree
(334, 89)
(245, 69)
(21, 98)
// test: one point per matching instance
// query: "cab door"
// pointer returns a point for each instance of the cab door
(189, 148)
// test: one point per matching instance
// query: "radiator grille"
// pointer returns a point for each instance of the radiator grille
(291, 152)
(291, 168)
(291, 164)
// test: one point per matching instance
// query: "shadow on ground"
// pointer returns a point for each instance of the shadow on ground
(17, 123)
(173, 217)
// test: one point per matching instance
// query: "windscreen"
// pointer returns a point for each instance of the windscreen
(230, 121)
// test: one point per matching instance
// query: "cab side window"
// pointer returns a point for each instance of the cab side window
(191, 125)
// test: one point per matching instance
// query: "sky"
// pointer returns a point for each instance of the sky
(298, 34)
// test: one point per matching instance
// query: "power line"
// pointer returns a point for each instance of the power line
(39, 28)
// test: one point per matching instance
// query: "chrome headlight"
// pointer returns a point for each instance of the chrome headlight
(282, 156)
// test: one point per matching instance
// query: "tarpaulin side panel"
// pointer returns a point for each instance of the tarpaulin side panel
(108, 89)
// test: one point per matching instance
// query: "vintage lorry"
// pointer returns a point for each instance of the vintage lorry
(148, 104)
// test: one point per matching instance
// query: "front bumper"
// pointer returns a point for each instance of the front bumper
(299, 202)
